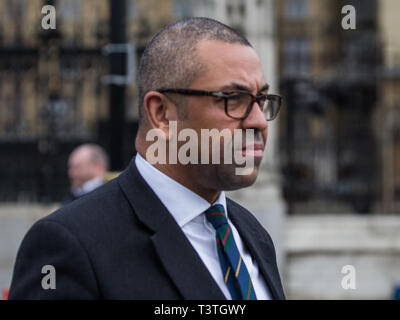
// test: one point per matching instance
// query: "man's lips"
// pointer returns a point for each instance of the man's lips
(255, 146)
(255, 150)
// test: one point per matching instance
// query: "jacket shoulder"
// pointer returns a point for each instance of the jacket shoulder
(96, 205)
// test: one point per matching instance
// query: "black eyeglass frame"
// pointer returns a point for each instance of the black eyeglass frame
(227, 95)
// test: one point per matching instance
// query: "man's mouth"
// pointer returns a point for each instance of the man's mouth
(253, 150)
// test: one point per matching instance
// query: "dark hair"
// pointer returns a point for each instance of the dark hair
(169, 60)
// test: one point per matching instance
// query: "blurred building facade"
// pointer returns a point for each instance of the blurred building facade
(54, 82)
(335, 147)
(337, 139)
(338, 148)
(388, 117)
(329, 77)
(52, 90)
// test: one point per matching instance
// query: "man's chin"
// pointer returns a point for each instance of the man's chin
(239, 181)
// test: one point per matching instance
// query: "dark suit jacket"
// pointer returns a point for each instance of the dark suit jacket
(69, 197)
(120, 242)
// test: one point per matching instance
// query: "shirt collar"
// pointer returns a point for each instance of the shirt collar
(88, 186)
(183, 204)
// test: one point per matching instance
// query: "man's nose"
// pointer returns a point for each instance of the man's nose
(255, 119)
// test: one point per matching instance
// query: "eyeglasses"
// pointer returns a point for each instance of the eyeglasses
(238, 103)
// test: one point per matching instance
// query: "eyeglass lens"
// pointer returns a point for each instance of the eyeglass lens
(238, 105)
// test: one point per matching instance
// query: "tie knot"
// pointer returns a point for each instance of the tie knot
(216, 215)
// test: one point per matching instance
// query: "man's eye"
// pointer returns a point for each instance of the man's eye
(217, 100)
(235, 97)
(236, 101)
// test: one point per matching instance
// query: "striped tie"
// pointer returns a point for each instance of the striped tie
(234, 270)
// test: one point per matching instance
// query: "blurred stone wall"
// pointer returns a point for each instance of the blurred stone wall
(317, 247)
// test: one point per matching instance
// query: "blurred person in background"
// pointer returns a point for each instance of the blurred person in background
(87, 166)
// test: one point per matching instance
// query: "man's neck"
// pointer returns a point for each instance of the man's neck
(181, 174)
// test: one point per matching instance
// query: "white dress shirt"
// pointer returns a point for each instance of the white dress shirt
(188, 208)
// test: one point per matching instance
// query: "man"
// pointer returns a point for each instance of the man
(87, 166)
(166, 230)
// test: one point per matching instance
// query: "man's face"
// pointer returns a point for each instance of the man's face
(80, 168)
(229, 67)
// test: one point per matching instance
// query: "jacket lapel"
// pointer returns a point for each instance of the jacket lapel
(178, 257)
(259, 249)
(184, 266)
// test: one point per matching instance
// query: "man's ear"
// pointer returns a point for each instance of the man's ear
(159, 111)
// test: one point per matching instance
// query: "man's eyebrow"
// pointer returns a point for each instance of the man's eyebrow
(234, 86)
(264, 87)
(238, 86)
